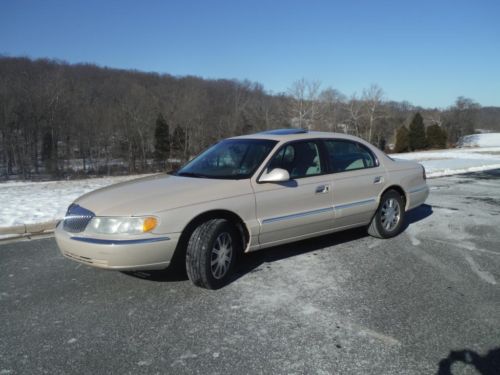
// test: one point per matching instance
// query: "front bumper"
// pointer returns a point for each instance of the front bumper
(146, 253)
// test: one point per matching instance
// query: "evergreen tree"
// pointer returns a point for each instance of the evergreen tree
(436, 137)
(178, 141)
(49, 153)
(402, 140)
(417, 139)
(47, 147)
(382, 143)
(162, 140)
(443, 139)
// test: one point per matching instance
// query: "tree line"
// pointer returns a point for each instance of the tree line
(418, 137)
(60, 120)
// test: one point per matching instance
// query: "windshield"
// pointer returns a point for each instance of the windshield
(229, 159)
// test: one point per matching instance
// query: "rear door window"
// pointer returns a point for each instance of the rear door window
(344, 155)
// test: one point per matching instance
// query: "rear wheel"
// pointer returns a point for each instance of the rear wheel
(211, 254)
(389, 218)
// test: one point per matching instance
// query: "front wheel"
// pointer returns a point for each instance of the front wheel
(211, 253)
(389, 218)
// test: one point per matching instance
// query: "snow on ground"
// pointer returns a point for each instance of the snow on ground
(454, 161)
(36, 202)
(480, 140)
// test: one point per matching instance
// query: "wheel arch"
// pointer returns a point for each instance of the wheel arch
(397, 188)
(232, 217)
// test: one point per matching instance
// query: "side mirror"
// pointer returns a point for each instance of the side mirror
(276, 175)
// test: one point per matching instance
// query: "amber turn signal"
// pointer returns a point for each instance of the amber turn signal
(149, 224)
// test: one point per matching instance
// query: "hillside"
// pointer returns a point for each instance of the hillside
(59, 120)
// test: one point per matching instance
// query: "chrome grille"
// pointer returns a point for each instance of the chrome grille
(77, 219)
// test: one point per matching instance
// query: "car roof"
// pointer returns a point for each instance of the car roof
(293, 134)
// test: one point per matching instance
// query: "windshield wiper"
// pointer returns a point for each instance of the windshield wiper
(190, 174)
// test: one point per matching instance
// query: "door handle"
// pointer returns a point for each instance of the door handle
(322, 189)
(378, 180)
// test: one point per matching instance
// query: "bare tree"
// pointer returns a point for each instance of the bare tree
(434, 117)
(372, 98)
(304, 107)
(63, 119)
(354, 115)
(331, 101)
(460, 119)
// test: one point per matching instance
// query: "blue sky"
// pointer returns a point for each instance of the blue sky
(426, 52)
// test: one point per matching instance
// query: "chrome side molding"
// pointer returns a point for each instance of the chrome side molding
(297, 215)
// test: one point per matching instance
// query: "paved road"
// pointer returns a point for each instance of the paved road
(426, 301)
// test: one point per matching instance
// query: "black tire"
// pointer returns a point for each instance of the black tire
(202, 251)
(379, 226)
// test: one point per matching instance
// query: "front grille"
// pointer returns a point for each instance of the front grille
(77, 219)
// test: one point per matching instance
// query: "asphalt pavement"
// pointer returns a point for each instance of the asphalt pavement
(425, 302)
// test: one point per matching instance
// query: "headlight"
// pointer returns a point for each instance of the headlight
(122, 225)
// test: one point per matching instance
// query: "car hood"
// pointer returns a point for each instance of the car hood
(157, 193)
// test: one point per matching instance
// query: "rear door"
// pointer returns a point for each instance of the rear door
(357, 180)
(301, 206)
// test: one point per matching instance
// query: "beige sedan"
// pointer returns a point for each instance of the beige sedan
(242, 194)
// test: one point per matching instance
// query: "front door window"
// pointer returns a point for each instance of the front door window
(300, 159)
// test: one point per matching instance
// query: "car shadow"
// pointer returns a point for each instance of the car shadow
(489, 364)
(251, 262)
(417, 214)
(169, 274)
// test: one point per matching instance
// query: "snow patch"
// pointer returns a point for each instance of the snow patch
(440, 163)
(480, 140)
(412, 234)
(37, 202)
(483, 275)
(363, 331)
